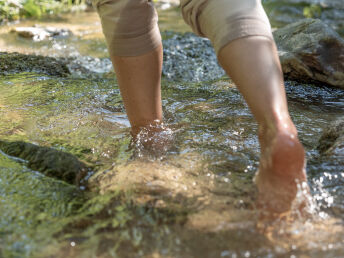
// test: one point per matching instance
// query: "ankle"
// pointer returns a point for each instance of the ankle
(150, 127)
(282, 152)
(270, 129)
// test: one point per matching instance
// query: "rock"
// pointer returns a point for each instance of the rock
(48, 161)
(325, 3)
(37, 34)
(15, 63)
(40, 33)
(310, 51)
(332, 140)
(284, 12)
(188, 57)
(87, 66)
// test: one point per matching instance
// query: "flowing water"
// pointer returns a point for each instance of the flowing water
(195, 198)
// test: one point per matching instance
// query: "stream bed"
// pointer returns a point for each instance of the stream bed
(193, 199)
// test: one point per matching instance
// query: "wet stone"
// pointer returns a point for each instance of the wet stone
(283, 12)
(332, 139)
(41, 33)
(11, 63)
(88, 67)
(188, 57)
(50, 162)
(310, 51)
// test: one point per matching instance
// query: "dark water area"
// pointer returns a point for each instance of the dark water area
(196, 199)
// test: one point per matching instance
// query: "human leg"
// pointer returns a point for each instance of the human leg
(241, 35)
(139, 81)
(253, 64)
(134, 43)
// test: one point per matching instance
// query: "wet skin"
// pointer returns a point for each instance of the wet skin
(282, 159)
(253, 64)
(281, 172)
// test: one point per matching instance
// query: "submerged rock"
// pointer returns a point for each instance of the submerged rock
(40, 33)
(332, 139)
(50, 162)
(16, 63)
(310, 51)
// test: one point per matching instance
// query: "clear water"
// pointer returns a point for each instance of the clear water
(196, 199)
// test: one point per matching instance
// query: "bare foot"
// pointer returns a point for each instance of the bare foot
(154, 139)
(281, 171)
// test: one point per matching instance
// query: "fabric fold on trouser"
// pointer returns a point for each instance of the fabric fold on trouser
(130, 26)
(223, 21)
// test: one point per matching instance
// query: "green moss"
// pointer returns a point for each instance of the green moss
(17, 63)
(312, 11)
(50, 162)
(32, 208)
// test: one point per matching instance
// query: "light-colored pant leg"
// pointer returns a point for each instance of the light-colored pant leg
(223, 21)
(130, 26)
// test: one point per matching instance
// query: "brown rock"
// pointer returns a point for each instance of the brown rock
(40, 33)
(310, 51)
(332, 140)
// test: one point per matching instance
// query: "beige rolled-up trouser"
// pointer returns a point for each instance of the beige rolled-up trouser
(130, 26)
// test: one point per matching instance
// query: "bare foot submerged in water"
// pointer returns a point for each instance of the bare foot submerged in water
(281, 179)
(252, 62)
(282, 160)
(154, 139)
(281, 171)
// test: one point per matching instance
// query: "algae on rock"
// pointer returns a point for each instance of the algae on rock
(17, 63)
(50, 162)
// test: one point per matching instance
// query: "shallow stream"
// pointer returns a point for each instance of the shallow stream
(196, 199)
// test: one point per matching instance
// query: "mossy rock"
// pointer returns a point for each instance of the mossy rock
(48, 161)
(332, 139)
(310, 51)
(16, 63)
